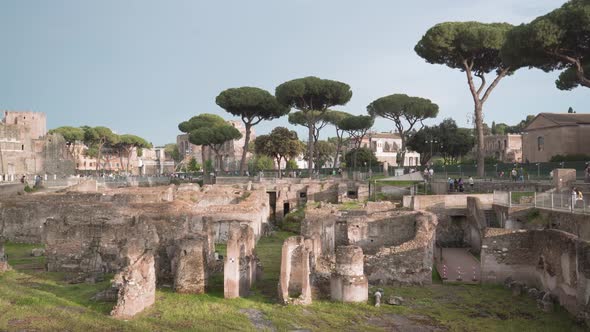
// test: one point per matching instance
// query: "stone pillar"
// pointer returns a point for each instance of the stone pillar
(137, 286)
(190, 267)
(348, 283)
(289, 246)
(385, 168)
(296, 252)
(563, 178)
(305, 297)
(3, 259)
(231, 266)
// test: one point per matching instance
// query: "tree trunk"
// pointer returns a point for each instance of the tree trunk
(402, 154)
(279, 166)
(338, 146)
(310, 144)
(480, 139)
(128, 160)
(245, 150)
(99, 154)
(203, 161)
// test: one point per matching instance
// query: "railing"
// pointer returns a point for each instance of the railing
(551, 201)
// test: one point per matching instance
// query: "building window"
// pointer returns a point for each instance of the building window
(540, 143)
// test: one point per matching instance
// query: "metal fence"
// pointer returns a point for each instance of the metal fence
(551, 201)
(532, 171)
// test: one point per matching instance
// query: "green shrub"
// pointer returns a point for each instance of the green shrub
(569, 157)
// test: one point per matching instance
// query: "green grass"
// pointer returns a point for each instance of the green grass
(292, 221)
(31, 299)
(351, 205)
(401, 184)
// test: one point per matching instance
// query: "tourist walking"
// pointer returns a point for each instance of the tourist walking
(471, 183)
(450, 185)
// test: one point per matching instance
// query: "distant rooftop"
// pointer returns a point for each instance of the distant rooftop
(567, 118)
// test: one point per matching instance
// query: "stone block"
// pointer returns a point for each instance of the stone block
(190, 266)
(137, 286)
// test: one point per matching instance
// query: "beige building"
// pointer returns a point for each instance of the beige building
(26, 149)
(152, 161)
(386, 146)
(505, 148)
(232, 150)
(551, 134)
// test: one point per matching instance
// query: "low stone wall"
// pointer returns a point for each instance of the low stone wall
(539, 218)
(551, 260)
(427, 202)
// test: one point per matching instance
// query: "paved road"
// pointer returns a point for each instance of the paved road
(460, 266)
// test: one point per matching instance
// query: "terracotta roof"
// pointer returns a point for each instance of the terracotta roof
(567, 118)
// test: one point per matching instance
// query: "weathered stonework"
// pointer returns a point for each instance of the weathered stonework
(189, 266)
(295, 271)
(348, 282)
(137, 285)
(240, 266)
(391, 246)
(550, 260)
(3, 259)
(409, 262)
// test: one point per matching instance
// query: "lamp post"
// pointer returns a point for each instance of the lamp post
(496, 166)
(431, 141)
(460, 172)
(538, 170)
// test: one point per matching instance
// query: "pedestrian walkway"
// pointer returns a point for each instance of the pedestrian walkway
(458, 265)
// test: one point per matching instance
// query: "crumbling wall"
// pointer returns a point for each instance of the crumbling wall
(22, 218)
(381, 230)
(89, 238)
(241, 263)
(319, 226)
(551, 260)
(408, 263)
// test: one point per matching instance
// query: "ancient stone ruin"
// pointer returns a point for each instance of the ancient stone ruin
(294, 283)
(136, 285)
(241, 264)
(341, 252)
(348, 283)
(3, 259)
(189, 265)
(146, 236)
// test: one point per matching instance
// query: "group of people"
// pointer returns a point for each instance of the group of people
(458, 185)
(428, 173)
(37, 178)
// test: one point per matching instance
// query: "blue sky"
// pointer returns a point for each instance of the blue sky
(141, 66)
